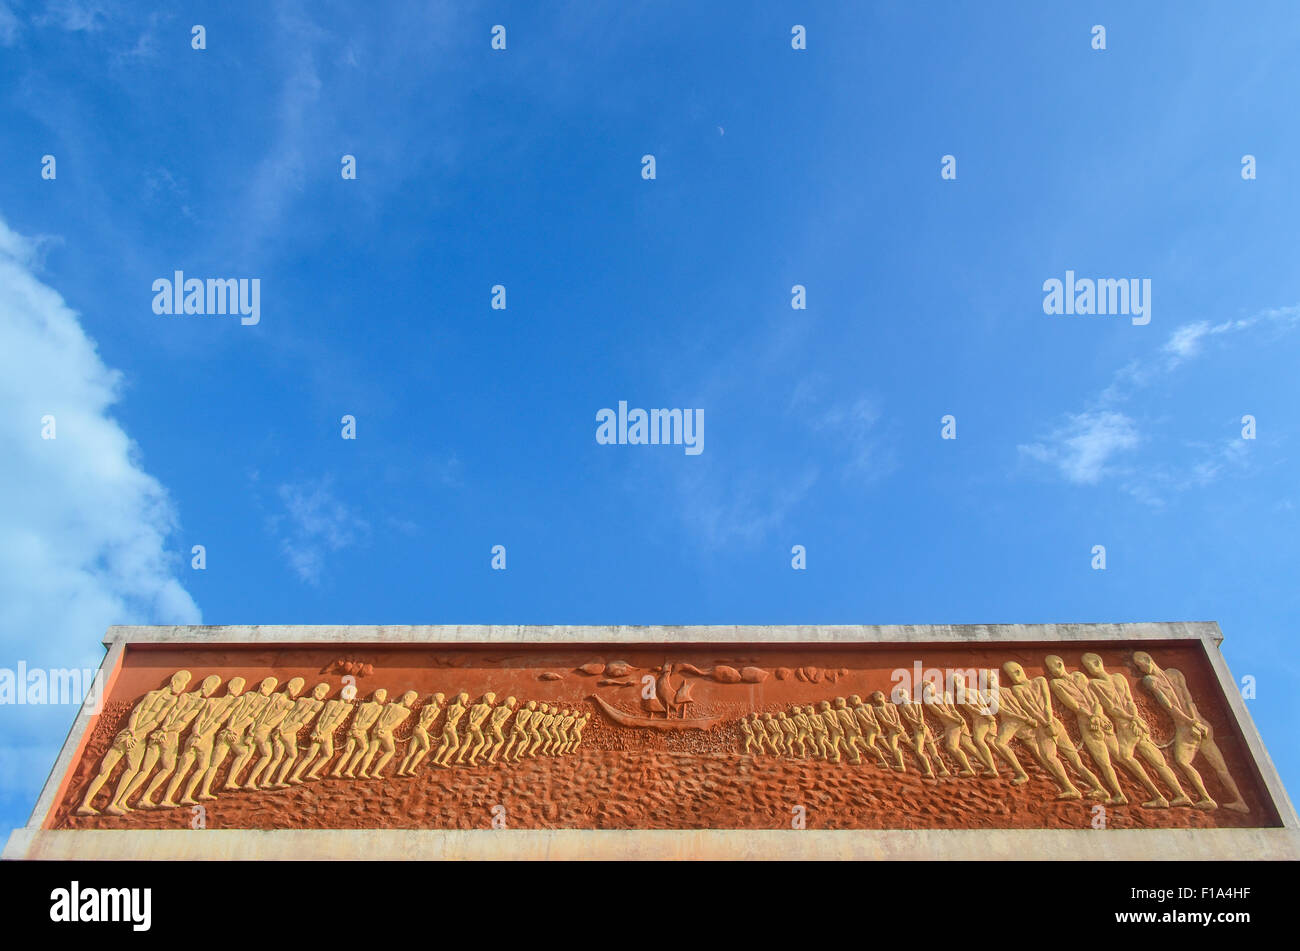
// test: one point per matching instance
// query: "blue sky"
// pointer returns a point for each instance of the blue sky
(775, 167)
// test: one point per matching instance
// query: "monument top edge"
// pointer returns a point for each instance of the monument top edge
(658, 634)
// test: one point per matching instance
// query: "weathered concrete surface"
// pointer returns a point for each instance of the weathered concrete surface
(743, 845)
(664, 634)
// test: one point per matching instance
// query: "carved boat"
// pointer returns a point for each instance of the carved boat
(622, 718)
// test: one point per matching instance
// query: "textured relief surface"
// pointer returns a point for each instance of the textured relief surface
(654, 737)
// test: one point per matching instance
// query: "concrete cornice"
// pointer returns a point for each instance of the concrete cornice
(662, 634)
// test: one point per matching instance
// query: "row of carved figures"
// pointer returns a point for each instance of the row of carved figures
(267, 724)
(977, 724)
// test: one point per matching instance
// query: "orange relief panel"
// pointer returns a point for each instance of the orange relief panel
(1044, 736)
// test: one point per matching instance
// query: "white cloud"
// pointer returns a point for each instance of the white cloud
(74, 15)
(727, 507)
(314, 522)
(278, 178)
(851, 428)
(8, 25)
(743, 501)
(1186, 340)
(1083, 447)
(85, 532)
(1229, 454)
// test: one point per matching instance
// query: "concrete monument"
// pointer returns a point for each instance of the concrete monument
(1000, 741)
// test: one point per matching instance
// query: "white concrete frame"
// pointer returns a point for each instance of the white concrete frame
(35, 842)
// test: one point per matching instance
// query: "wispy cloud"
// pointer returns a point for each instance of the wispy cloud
(76, 16)
(727, 507)
(851, 430)
(322, 58)
(9, 25)
(1188, 342)
(1228, 455)
(277, 179)
(1085, 447)
(742, 500)
(146, 42)
(314, 523)
(1082, 448)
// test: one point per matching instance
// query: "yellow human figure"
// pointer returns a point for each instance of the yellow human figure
(912, 715)
(804, 730)
(761, 741)
(164, 742)
(977, 706)
(549, 726)
(1036, 696)
(849, 728)
(562, 729)
(557, 715)
(1094, 727)
(496, 728)
(788, 730)
(746, 731)
(322, 741)
(572, 731)
(519, 730)
(198, 746)
(562, 725)
(891, 726)
(557, 729)
(475, 741)
(130, 743)
(578, 725)
(268, 721)
(1021, 720)
(168, 699)
(953, 725)
(548, 730)
(450, 740)
(1192, 733)
(1155, 798)
(820, 740)
(772, 730)
(552, 727)
(391, 717)
(535, 728)
(868, 726)
(832, 737)
(1132, 735)
(285, 744)
(420, 744)
(242, 714)
(1015, 722)
(556, 721)
(359, 735)
(772, 723)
